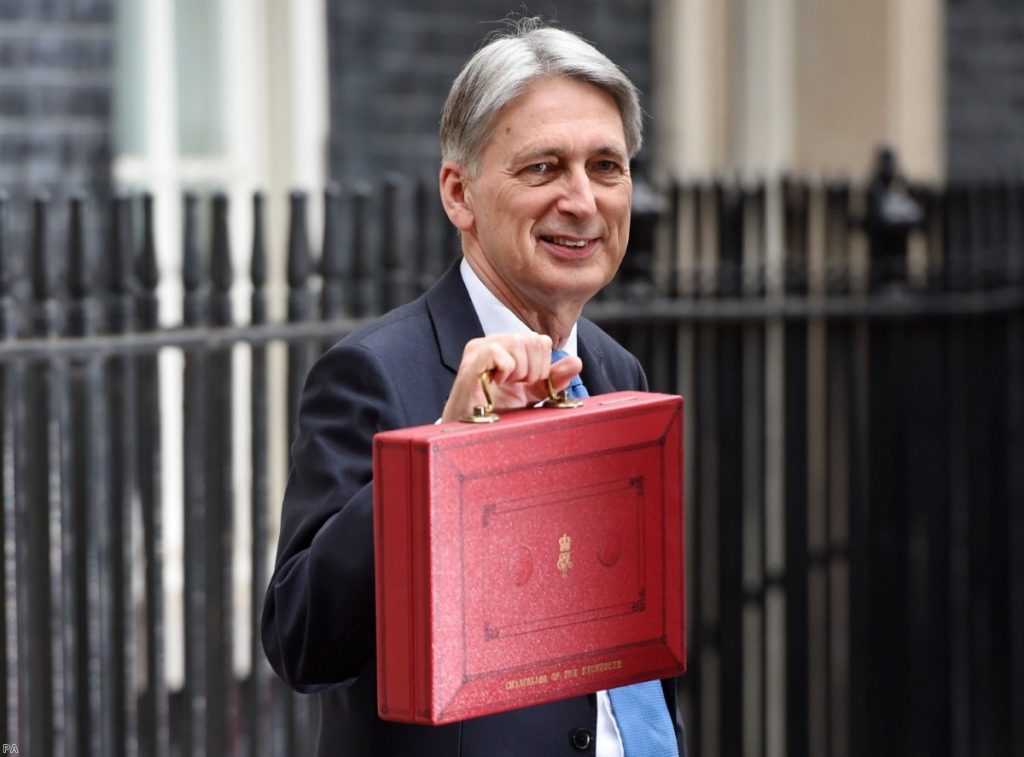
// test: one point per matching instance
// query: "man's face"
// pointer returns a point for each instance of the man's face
(549, 209)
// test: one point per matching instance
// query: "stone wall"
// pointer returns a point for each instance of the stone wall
(392, 62)
(985, 89)
(56, 86)
(56, 108)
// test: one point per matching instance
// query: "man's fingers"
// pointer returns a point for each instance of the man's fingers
(518, 364)
(540, 358)
(531, 354)
(496, 359)
(516, 347)
(511, 357)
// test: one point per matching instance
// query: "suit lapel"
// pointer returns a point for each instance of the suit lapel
(454, 320)
(594, 375)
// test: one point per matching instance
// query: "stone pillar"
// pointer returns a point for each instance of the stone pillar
(691, 58)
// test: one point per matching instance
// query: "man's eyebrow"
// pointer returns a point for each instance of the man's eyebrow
(613, 152)
(538, 153)
(555, 152)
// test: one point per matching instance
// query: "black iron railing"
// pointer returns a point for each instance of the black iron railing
(855, 438)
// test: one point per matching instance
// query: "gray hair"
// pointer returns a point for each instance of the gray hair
(500, 71)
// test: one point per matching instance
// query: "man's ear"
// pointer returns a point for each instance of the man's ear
(455, 196)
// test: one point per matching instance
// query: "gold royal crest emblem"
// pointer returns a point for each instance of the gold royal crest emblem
(564, 556)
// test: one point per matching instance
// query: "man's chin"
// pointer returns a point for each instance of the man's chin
(579, 284)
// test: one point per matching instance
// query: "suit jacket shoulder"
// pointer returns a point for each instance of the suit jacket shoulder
(607, 365)
(417, 347)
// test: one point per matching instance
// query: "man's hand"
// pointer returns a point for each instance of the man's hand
(519, 365)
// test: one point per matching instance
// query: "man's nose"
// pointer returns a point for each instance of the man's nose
(578, 194)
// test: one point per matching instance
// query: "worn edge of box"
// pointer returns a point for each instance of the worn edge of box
(403, 653)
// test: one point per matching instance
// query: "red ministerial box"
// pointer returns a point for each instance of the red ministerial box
(528, 560)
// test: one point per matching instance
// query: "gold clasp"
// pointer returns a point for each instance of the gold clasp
(483, 413)
(561, 399)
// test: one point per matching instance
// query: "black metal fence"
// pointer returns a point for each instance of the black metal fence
(855, 461)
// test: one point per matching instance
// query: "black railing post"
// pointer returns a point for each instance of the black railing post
(956, 234)
(887, 535)
(88, 468)
(795, 199)
(45, 312)
(837, 501)
(837, 238)
(335, 259)
(1015, 486)
(726, 363)
(84, 315)
(147, 273)
(300, 303)
(122, 267)
(220, 262)
(8, 312)
(365, 266)
(796, 202)
(258, 261)
(124, 484)
(291, 711)
(751, 538)
(220, 690)
(672, 225)
(299, 259)
(258, 731)
(660, 368)
(153, 726)
(424, 210)
(40, 515)
(924, 415)
(394, 274)
(990, 225)
(12, 667)
(192, 263)
(932, 201)
(1015, 234)
(194, 710)
(703, 483)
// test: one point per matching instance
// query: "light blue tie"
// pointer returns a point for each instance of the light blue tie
(640, 710)
(575, 388)
(642, 716)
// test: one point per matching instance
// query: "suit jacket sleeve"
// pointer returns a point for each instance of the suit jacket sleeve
(318, 618)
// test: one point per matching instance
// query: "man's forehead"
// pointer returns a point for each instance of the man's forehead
(596, 119)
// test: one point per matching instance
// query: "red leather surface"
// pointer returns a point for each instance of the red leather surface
(535, 558)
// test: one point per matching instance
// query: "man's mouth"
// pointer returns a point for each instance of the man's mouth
(566, 242)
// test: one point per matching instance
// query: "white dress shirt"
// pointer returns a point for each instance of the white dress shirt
(498, 319)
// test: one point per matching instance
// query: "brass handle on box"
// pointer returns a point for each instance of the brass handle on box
(560, 400)
(485, 413)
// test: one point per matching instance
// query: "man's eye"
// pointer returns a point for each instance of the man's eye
(606, 166)
(538, 167)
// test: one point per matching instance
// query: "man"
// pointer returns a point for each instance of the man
(536, 138)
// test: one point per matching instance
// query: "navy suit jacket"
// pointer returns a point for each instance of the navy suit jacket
(318, 619)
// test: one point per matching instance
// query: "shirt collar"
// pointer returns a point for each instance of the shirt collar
(494, 316)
